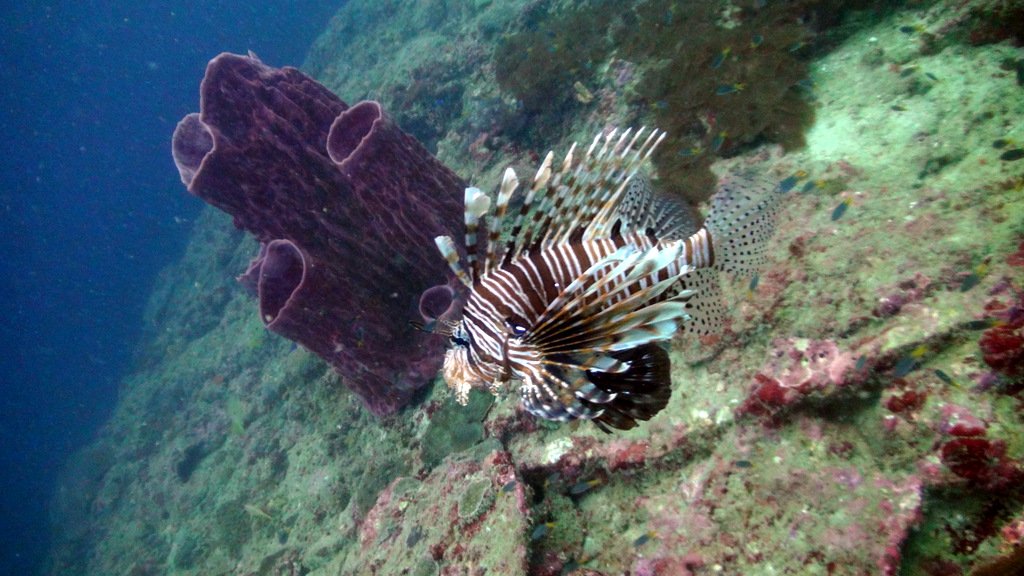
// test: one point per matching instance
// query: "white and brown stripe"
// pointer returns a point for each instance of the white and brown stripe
(516, 294)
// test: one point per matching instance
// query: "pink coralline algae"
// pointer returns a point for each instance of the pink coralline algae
(345, 206)
(902, 512)
(797, 368)
(908, 291)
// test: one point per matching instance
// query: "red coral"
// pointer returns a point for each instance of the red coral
(766, 397)
(1003, 348)
(982, 462)
(1017, 258)
(909, 401)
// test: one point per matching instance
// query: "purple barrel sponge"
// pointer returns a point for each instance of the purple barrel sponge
(345, 206)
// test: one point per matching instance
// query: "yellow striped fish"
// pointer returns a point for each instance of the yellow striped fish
(598, 274)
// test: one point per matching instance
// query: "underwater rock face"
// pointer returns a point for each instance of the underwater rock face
(345, 206)
(861, 414)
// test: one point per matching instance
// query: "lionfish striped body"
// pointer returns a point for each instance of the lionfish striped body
(597, 276)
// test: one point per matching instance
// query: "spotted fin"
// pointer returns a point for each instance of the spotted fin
(742, 220)
(659, 216)
(705, 309)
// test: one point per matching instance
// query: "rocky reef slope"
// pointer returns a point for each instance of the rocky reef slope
(861, 414)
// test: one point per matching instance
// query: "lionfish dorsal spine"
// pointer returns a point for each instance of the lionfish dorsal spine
(620, 171)
(522, 228)
(582, 196)
(496, 218)
(476, 205)
(446, 246)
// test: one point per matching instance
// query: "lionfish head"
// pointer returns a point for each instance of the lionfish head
(457, 369)
(458, 374)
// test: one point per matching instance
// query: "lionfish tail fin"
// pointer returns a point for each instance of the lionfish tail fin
(742, 220)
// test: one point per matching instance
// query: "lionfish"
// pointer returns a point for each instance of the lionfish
(597, 275)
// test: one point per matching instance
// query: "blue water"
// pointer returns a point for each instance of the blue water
(92, 208)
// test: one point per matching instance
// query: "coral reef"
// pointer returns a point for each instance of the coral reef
(860, 413)
(345, 207)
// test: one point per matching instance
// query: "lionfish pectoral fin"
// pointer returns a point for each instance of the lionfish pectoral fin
(705, 307)
(551, 397)
(634, 395)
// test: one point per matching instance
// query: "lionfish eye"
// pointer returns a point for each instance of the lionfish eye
(515, 325)
(460, 341)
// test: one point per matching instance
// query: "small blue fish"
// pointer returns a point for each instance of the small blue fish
(861, 362)
(788, 184)
(584, 487)
(509, 486)
(943, 376)
(905, 366)
(981, 324)
(970, 281)
(974, 278)
(805, 84)
(719, 58)
(541, 531)
(743, 463)
(726, 89)
(695, 150)
(415, 535)
(716, 143)
(838, 212)
(808, 187)
(756, 41)
(753, 282)
(1012, 155)
(644, 538)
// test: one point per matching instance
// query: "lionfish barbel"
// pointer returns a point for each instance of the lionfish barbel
(597, 275)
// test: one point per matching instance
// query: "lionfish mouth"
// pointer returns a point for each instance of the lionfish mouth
(458, 376)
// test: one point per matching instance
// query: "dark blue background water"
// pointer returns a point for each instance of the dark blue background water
(91, 208)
